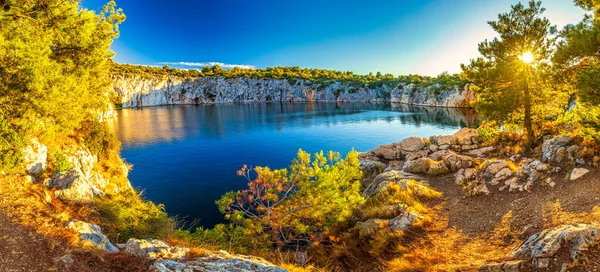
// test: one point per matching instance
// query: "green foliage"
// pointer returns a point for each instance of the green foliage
(98, 139)
(510, 90)
(489, 131)
(61, 162)
(578, 61)
(298, 205)
(53, 73)
(11, 142)
(126, 215)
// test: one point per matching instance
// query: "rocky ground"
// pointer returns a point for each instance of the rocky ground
(551, 198)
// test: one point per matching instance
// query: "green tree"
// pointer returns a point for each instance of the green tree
(578, 60)
(510, 74)
(55, 64)
(299, 205)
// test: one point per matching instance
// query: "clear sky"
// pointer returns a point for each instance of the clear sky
(390, 36)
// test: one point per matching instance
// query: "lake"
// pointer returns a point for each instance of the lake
(186, 157)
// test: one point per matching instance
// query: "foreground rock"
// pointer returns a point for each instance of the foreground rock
(220, 261)
(541, 248)
(35, 157)
(577, 173)
(92, 235)
(154, 249)
(400, 178)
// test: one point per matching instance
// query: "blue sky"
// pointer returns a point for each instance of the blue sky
(397, 37)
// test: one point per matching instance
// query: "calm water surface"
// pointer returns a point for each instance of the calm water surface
(186, 157)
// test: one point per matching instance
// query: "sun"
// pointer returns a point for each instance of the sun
(526, 57)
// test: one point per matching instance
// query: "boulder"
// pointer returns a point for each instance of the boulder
(468, 136)
(387, 152)
(454, 161)
(412, 144)
(578, 173)
(542, 247)
(154, 249)
(73, 186)
(447, 140)
(92, 234)
(35, 156)
(508, 266)
(481, 152)
(492, 167)
(555, 150)
(437, 168)
(400, 178)
(417, 166)
(219, 261)
(403, 222)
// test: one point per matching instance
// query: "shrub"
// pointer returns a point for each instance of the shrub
(299, 205)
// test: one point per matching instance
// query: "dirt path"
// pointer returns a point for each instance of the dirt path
(23, 249)
(480, 214)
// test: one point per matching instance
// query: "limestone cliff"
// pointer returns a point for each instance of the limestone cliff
(138, 91)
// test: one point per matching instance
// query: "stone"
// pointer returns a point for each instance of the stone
(433, 148)
(412, 144)
(92, 234)
(399, 178)
(447, 140)
(403, 222)
(417, 166)
(444, 147)
(504, 174)
(219, 261)
(468, 136)
(539, 166)
(468, 147)
(454, 161)
(576, 238)
(578, 173)
(73, 186)
(481, 152)
(437, 168)
(387, 152)
(67, 260)
(35, 156)
(492, 167)
(371, 168)
(154, 249)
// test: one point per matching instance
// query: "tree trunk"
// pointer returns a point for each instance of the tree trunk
(528, 125)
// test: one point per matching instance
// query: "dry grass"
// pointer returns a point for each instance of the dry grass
(448, 249)
(554, 215)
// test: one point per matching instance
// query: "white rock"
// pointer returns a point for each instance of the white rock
(577, 173)
(92, 234)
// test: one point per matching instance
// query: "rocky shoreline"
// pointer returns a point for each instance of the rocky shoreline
(138, 91)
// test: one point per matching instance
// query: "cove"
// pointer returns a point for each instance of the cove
(186, 156)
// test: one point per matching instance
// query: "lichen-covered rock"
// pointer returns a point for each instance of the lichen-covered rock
(447, 140)
(403, 222)
(468, 136)
(412, 144)
(437, 168)
(73, 186)
(454, 161)
(219, 261)
(400, 178)
(371, 169)
(418, 166)
(92, 234)
(555, 150)
(578, 173)
(543, 246)
(154, 249)
(387, 152)
(35, 156)
(481, 152)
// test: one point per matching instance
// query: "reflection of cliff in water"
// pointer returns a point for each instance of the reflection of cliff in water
(445, 116)
(216, 121)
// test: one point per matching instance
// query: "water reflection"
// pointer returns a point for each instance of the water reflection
(170, 123)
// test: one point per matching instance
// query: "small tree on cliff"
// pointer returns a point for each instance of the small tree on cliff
(300, 205)
(511, 75)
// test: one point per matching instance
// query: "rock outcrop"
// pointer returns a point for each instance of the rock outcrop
(541, 248)
(92, 235)
(136, 91)
(219, 261)
(35, 156)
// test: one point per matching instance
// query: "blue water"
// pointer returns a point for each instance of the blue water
(186, 157)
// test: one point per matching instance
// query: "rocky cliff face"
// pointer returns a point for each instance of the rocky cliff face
(138, 91)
